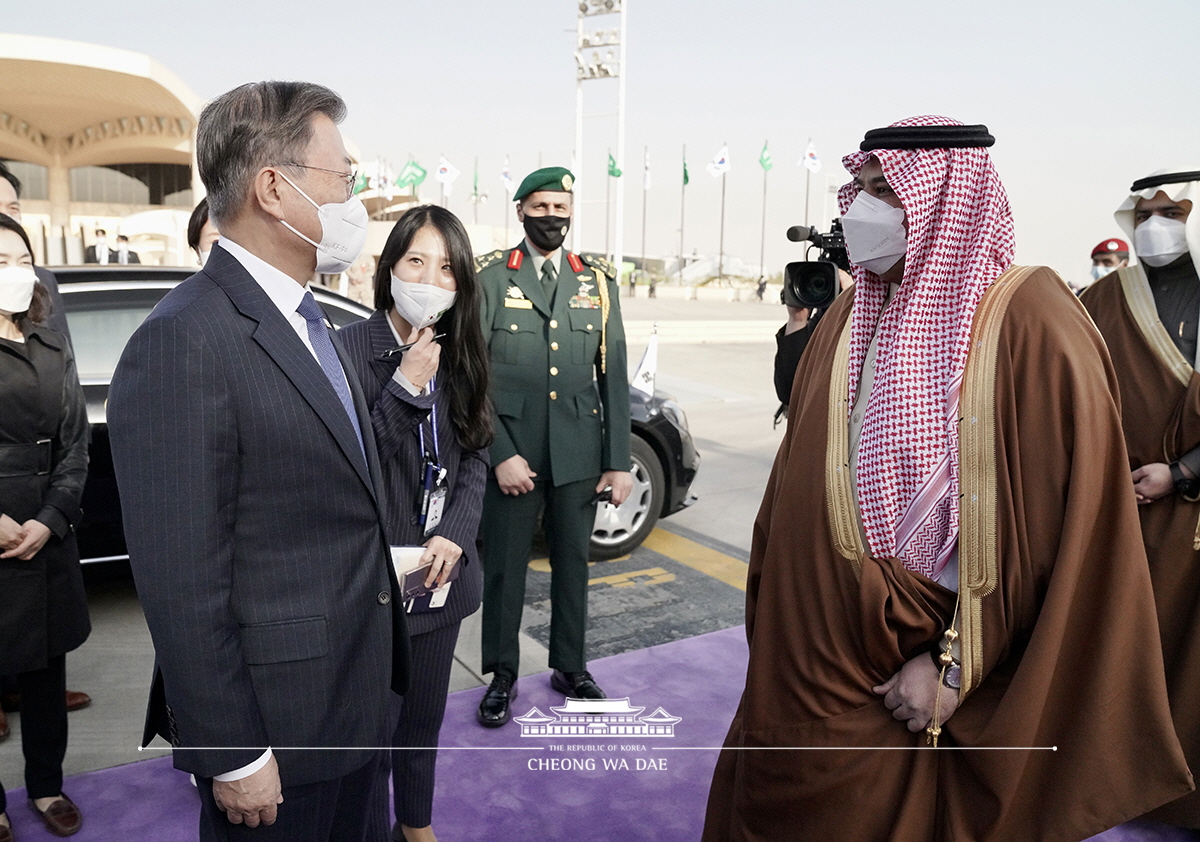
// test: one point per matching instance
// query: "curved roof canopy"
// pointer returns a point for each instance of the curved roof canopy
(71, 104)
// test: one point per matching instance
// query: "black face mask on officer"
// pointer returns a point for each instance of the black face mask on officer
(547, 232)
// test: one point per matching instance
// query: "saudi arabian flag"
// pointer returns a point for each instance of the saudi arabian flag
(360, 183)
(685, 174)
(612, 166)
(764, 158)
(413, 173)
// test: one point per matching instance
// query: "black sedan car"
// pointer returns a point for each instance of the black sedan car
(105, 304)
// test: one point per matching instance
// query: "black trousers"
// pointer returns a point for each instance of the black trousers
(43, 729)
(420, 722)
(507, 528)
(338, 810)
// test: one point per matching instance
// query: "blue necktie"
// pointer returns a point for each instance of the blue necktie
(318, 334)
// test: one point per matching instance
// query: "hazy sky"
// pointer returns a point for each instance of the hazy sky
(1082, 97)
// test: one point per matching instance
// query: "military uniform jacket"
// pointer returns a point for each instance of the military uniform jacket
(560, 402)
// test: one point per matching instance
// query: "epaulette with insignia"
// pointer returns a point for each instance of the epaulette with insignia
(601, 264)
(486, 260)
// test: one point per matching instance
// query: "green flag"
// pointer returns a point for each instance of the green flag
(360, 184)
(764, 159)
(612, 167)
(685, 175)
(413, 173)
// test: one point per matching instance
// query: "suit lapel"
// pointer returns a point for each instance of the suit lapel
(279, 340)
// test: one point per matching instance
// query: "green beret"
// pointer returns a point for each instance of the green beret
(558, 179)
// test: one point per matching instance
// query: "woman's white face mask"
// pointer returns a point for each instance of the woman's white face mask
(421, 304)
(875, 235)
(16, 288)
(1159, 241)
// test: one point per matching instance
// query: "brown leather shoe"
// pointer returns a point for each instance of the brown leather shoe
(4, 732)
(62, 818)
(77, 700)
(5, 833)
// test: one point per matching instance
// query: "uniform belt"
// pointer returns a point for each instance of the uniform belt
(24, 460)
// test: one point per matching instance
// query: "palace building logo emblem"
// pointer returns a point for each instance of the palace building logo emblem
(597, 718)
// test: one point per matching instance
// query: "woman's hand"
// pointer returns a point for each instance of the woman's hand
(36, 534)
(11, 533)
(420, 362)
(444, 554)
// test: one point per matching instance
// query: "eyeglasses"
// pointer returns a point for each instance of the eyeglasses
(349, 177)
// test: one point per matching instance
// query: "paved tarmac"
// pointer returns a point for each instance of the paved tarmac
(715, 356)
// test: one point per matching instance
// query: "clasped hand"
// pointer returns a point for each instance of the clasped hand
(1151, 482)
(22, 540)
(911, 693)
(252, 800)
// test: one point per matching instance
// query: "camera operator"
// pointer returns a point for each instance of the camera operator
(806, 285)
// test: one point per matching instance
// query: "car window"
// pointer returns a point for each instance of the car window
(101, 322)
(340, 314)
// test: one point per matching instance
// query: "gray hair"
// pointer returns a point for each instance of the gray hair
(260, 124)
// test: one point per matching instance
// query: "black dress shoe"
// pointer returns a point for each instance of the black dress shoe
(494, 707)
(576, 685)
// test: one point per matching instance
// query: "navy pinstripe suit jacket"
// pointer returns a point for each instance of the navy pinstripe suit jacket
(395, 415)
(255, 536)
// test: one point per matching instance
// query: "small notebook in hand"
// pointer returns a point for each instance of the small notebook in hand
(411, 575)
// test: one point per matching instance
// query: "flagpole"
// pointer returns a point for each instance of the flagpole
(807, 180)
(762, 245)
(608, 210)
(682, 207)
(645, 169)
(721, 247)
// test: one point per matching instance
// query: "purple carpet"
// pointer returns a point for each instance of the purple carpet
(598, 786)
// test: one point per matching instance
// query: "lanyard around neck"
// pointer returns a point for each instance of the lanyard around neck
(433, 423)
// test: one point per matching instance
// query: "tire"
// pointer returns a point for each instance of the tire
(621, 529)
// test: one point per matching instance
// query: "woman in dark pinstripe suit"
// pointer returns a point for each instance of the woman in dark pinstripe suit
(428, 404)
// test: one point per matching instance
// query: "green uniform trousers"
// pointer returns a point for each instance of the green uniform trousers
(508, 525)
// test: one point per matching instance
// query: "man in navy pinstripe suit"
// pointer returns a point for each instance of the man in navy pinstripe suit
(248, 479)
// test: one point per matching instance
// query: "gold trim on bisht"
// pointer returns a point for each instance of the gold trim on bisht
(839, 490)
(1141, 303)
(978, 549)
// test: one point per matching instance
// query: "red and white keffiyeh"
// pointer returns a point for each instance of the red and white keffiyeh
(960, 239)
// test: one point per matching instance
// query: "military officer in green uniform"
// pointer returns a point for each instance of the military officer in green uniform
(561, 396)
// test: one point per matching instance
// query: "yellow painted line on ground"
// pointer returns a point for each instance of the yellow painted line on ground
(708, 561)
(652, 576)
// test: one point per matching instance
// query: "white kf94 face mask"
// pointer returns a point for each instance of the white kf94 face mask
(16, 288)
(875, 235)
(421, 304)
(343, 232)
(1159, 241)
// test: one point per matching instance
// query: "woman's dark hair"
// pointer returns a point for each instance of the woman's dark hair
(464, 354)
(196, 224)
(39, 307)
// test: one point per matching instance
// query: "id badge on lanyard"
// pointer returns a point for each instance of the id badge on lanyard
(433, 478)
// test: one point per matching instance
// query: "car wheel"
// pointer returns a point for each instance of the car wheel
(620, 529)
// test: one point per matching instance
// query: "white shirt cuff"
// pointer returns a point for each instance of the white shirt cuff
(246, 771)
(406, 384)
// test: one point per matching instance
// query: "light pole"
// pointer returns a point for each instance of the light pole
(589, 68)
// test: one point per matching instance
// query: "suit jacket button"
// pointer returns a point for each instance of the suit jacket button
(554, 396)
(554, 323)
(384, 598)
(554, 369)
(553, 346)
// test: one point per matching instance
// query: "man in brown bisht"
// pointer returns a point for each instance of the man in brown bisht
(950, 620)
(1147, 314)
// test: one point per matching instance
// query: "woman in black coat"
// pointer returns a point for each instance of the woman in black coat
(43, 465)
(430, 413)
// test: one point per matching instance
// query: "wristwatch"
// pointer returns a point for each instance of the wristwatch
(1189, 488)
(953, 677)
